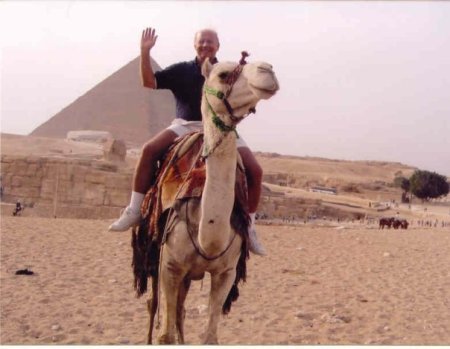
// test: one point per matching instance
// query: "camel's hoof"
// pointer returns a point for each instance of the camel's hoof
(166, 339)
(210, 340)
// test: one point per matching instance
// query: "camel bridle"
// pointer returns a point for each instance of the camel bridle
(218, 122)
(229, 81)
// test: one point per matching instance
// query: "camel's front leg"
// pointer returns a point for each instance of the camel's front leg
(152, 306)
(171, 278)
(220, 287)
(181, 312)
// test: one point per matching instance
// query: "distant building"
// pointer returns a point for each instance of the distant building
(323, 190)
(89, 136)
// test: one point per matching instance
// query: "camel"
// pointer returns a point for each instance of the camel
(198, 235)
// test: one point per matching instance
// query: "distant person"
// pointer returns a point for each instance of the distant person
(185, 81)
(18, 209)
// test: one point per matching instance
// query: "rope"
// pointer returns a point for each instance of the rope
(197, 248)
(211, 91)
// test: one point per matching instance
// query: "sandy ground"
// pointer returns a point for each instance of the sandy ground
(318, 285)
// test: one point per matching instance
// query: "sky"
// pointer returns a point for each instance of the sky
(359, 80)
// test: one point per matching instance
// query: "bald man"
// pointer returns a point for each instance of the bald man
(186, 82)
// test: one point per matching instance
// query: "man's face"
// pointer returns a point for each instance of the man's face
(206, 44)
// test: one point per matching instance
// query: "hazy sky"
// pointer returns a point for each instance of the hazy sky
(360, 80)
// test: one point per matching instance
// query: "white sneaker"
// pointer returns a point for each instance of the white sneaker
(253, 244)
(128, 219)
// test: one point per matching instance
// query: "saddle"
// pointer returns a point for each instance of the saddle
(181, 176)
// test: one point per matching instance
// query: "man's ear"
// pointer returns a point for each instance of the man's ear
(206, 68)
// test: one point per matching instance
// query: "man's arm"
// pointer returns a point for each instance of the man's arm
(148, 40)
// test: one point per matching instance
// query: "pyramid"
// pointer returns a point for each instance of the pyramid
(119, 105)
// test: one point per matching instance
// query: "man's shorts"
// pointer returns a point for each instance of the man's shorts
(182, 127)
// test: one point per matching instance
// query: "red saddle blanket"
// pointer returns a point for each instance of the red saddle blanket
(182, 175)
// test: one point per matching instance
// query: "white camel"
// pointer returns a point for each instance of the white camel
(200, 237)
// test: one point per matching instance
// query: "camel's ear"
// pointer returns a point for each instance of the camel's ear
(206, 68)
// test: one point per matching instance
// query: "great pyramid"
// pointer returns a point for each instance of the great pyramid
(120, 105)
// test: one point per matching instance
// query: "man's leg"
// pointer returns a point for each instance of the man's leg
(152, 151)
(253, 173)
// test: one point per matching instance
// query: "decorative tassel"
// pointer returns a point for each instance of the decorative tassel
(244, 55)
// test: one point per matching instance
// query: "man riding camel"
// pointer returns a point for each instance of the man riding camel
(185, 81)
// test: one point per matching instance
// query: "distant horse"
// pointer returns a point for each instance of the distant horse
(400, 223)
(385, 221)
(404, 224)
(396, 223)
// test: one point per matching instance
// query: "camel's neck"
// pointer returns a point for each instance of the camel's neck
(218, 193)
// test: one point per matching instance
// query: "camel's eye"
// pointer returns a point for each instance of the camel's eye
(223, 75)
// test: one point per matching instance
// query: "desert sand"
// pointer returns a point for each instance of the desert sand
(322, 282)
(319, 284)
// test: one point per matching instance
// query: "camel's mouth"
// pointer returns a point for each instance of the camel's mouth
(244, 110)
(266, 92)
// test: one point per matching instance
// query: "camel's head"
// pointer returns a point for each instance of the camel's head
(232, 90)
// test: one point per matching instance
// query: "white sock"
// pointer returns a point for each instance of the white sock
(136, 201)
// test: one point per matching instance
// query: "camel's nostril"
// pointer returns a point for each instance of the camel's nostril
(265, 67)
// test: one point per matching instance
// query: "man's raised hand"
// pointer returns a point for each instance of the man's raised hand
(148, 39)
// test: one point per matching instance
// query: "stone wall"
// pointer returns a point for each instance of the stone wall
(82, 188)
(65, 187)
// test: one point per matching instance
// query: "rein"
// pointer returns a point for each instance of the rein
(195, 244)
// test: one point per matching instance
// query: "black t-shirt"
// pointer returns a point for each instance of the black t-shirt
(186, 82)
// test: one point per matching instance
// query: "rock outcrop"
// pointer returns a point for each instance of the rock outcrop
(115, 150)
(66, 187)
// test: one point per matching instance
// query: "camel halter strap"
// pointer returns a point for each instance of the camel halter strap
(218, 122)
(230, 81)
(222, 127)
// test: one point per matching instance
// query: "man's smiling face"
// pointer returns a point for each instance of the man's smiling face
(206, 44)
